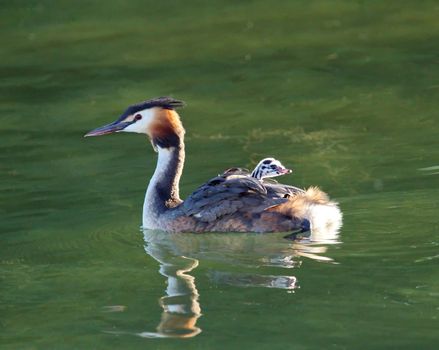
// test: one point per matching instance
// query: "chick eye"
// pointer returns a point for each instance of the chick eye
(137, 117)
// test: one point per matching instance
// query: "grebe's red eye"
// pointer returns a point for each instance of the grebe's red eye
(137, 117)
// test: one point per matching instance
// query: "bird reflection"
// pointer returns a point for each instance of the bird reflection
(178, 255)
(180, 305)
(254, 280)
(181, 308)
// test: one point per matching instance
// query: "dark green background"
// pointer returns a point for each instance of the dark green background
(345, 92)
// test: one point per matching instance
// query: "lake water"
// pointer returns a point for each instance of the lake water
(345, 92)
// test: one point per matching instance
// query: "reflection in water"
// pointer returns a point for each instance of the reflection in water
(180, 305)
(179, 254)
(253, 280)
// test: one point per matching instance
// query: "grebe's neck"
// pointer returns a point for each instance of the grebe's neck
(163, 189)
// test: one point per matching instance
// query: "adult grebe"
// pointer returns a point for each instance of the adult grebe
(231, 202)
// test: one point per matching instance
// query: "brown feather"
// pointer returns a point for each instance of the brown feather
(166, 130)
(166, 122)
(298, 205)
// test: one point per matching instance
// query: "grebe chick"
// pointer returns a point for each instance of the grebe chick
(269, 167)
(266, 168)
(227, 203)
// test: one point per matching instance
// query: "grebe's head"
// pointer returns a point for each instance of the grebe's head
(156, 118)
(269, 167)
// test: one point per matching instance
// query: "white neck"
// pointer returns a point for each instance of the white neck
(163, 189)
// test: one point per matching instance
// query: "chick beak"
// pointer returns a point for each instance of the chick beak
(283, 170)
(108, 129)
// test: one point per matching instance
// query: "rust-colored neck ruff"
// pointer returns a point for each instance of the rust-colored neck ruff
(166, 129)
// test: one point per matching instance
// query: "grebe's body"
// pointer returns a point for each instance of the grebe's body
(232, 202)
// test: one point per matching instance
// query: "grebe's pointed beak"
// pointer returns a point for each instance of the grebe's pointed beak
(108, 129)
(283, 170)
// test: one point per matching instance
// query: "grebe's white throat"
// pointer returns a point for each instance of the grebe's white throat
(163, 189)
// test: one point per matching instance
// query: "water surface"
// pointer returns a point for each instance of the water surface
(345, 92)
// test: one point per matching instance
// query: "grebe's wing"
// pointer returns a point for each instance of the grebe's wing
(228, 194)
(236, 171)
(278, 190)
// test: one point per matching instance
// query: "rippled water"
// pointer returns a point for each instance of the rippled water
(345, 92)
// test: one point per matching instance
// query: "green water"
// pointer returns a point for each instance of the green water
(345, 92)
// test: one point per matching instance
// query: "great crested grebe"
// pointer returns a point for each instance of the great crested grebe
(231, 202)
(266, 168)
(269, 167)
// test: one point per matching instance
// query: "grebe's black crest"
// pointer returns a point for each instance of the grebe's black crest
(163, 102)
